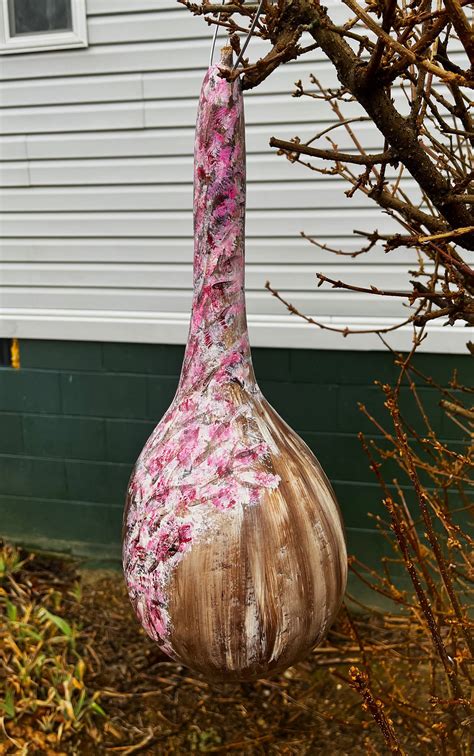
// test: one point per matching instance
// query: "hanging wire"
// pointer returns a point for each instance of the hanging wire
(247, 39)
(214, 37)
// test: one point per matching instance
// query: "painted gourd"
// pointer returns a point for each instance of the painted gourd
(233, 550)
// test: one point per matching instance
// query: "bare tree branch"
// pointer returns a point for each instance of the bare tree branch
(297, 148)
(462, 26)
(429, 138)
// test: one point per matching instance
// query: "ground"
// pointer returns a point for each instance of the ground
(123, 696)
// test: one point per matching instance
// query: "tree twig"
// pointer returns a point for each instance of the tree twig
(303, 149)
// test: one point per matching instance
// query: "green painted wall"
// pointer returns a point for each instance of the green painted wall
(75, 416)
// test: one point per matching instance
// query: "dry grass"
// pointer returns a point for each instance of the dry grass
(45, 699)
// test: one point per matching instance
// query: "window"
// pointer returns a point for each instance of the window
(35, 25)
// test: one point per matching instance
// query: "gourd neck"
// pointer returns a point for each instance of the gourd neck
(218, 346)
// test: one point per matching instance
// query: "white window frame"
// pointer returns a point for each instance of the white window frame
(60, 40)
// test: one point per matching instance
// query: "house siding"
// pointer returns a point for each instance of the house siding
(96, 276)
(96, 197)
(76, 415)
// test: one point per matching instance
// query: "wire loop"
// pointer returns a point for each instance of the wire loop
(247, 39)
(214, 37)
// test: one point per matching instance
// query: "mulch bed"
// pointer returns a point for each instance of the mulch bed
(155, 706)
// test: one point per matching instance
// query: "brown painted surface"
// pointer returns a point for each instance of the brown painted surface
(257, 595)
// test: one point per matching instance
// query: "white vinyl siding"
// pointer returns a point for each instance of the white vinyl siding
(96, 194)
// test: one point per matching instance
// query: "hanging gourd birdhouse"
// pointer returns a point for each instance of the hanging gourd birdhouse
(233, 548)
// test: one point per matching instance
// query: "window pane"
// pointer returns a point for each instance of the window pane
(39, 16)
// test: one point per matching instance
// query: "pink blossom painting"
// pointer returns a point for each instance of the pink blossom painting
(233, 547)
